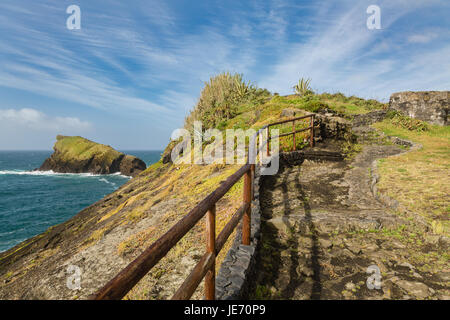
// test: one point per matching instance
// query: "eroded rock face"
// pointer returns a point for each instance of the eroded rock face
(131, 166)
(333, 127)
(431, 106)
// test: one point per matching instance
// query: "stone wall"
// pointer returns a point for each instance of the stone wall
(430, 106)
(233, 279)
(332, 127)
(367, 119)
(329, 124)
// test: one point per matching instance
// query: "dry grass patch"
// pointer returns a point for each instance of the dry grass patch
(420, 179)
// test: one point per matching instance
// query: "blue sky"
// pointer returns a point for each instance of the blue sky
(135, 69)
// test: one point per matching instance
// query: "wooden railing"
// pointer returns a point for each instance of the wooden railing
(293, 132)
(120, 285)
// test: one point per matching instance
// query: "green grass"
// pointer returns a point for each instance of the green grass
(251, 116)
(268, 108)
(255, 115)
(79, 149)
(419, 179)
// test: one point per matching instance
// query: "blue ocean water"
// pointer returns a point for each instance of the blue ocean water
(31, 202)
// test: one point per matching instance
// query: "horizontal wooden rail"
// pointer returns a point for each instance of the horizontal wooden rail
(289, 120)
(120, 285)
(230, 226)
(189, 286)
(291, 133)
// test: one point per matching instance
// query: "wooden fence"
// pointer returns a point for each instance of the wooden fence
(122, 283)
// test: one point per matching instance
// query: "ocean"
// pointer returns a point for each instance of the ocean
(31, 202)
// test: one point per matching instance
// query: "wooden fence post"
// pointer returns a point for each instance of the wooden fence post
(268, 141)
(312, 132)
(210, 278)
(252, 170)
(246, 228)
(293, 133)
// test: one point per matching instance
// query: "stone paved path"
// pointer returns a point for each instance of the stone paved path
(322, 229)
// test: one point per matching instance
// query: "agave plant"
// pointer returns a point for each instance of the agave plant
(242, 88)
(220, 98)
(303, 88)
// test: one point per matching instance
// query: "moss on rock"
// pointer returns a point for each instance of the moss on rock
(79, 155)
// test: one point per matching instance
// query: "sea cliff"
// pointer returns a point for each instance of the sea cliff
(80, 155)
(101, 240)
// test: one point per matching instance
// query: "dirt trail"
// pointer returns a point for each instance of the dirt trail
(322, 228)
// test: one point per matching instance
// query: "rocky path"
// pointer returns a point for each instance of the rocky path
(322, 229)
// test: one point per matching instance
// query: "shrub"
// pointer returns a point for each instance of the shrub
(220, 98)
(315, 106)
(402, 121)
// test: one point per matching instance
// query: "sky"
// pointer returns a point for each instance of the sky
(135, 69)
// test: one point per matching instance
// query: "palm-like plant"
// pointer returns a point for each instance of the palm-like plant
(242, 88)
(302, 87)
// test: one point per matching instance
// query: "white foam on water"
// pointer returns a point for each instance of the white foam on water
(52, 173)
(108, 182)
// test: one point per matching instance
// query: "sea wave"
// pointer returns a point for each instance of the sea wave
(52, 173)
(108, 182)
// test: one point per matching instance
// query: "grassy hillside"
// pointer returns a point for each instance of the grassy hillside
(105, 237)
(420, 179)
(189, 184)
(79, 149)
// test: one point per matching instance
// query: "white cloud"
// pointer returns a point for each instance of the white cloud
(142, 72)
(57, 70)
(422, 38)
(37, 120)
(137, 65)
(343, 55)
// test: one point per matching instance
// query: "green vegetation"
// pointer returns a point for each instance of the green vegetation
(78, 149)
(419, 179)
(354, 103)
(252, 115)
(228, 102)
(165, 193)
(303, 88)
(220, 98)
(401, 121)
(262, 293)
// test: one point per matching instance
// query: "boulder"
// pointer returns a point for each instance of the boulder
(131, 165)
(175, 147)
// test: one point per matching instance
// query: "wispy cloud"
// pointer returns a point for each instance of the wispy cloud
(146, 62)
(46, 64)
(37, 120)
(422, 38)
(343, 55)
(115, 62)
